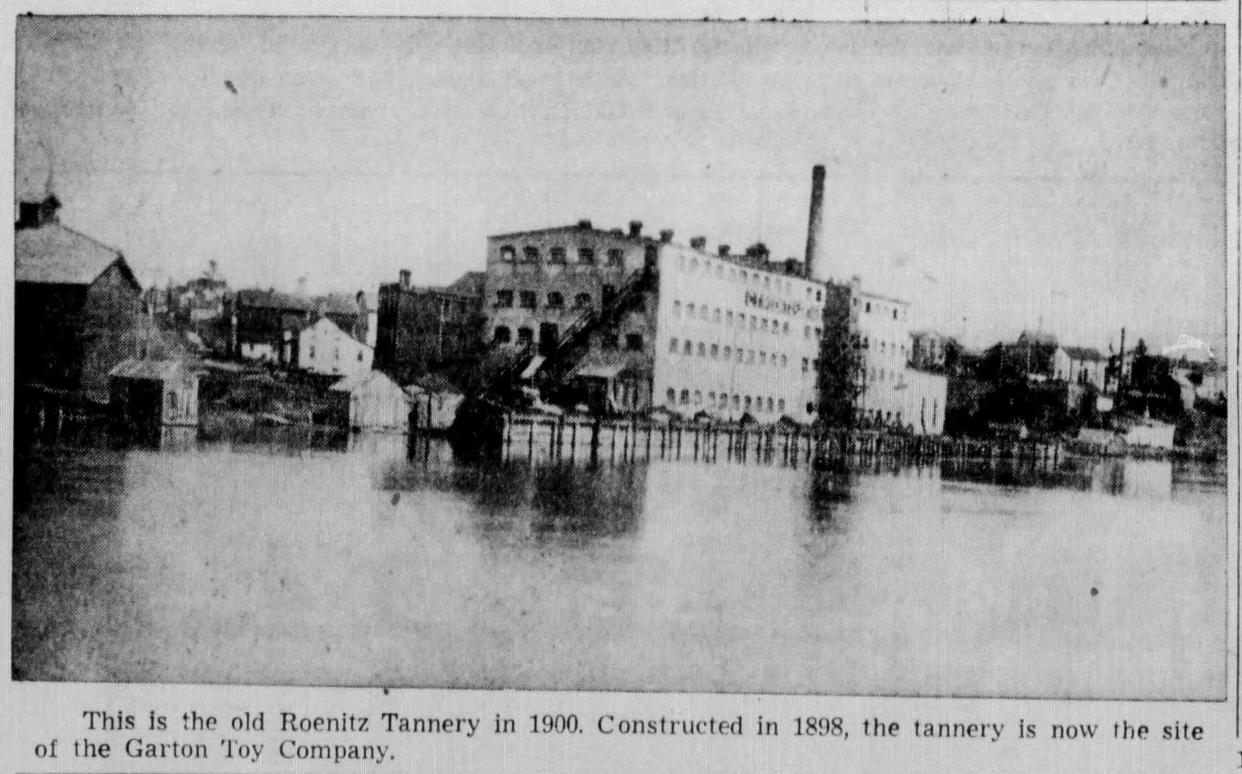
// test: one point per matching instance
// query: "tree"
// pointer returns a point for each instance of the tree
(840, 376)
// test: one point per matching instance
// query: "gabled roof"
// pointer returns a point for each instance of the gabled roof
(55, 255)
(1083, 353)
(469, 284)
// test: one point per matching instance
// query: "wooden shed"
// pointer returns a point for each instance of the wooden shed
(374, 400)
(150, 394)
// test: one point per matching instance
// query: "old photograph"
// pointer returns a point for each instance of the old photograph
(668, 356)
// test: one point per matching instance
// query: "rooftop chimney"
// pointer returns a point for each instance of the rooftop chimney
(723, 250)
(636, 228)
(698, 242)
(584, 223)
(666, 235)
(814, 264)
(404, 279)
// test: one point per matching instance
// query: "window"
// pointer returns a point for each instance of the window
(728, 318)
(507, 253)
(690, 311)
(608, 295)
(556, 300)
(741, 355)
(526, 337)
(806, 365)
(586, 255)
(582, 301)
(608, 340)
(763, 325)
(716, 354)
(616, 257)
(784, 361)
(767, 283)
(894, 314)
(677, 309)
(780, 405)
(754, 322)
(737, 402)
(336, 353)
(172, 401)
(785, 328)
(557, 255)
(698, 397)
(770, 404)
(504, 298)
(311, 354)
(806, 331)
(867, 308)
(702, 349)
(688, 349)
(810, 408)
(527, 299)
(670, 397)
(763, 358)
(672, 346)
(728, 352)
(359, 356)
(744, 276)
(694, 264)
(502, 334)
(716, 315)
(685, 397)
(724, 400)
(703, 312)
(530, 254)
(747, 403)
(750, 357)
(819, 295)
(634, 342)
(819, 333)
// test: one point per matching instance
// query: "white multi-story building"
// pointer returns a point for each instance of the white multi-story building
(326, 349)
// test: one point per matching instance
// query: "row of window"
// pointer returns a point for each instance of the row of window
(549, 333)
(528, 299)
(558, 255)
(755, 277)
(880, 309)
(730, 319)
(740, 355)
(723, 401)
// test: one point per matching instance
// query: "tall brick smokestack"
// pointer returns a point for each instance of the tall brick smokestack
(815, 268)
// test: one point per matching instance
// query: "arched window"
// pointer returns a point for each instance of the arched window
(688, 349)
(702, 349)
(670, 396)
(685, 397)
(555, 300)
(780, 405)
(526, 337)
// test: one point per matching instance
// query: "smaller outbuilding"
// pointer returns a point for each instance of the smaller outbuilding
(434, 402)
(371, 400)
(147, 395)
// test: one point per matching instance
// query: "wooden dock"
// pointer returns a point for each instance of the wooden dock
(580, 439)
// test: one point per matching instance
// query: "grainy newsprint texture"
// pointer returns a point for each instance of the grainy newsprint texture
(884, 360)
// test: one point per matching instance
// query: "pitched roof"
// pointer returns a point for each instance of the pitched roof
(55, 255)
(273, 299)
(1083, 353)
(157, 370)
(470, 283)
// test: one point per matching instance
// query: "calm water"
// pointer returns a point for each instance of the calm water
(265, 563)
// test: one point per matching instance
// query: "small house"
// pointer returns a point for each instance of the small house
(147, 395)
(371, 400)
(324, 348)
(434, 402)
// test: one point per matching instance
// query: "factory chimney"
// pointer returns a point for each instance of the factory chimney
(815, 268)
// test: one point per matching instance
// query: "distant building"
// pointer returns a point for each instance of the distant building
(1083, 366)
(424, 329)
(78, 308)
(324, 348)
(265, 324)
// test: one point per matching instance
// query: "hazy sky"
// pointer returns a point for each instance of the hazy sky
(994, 175)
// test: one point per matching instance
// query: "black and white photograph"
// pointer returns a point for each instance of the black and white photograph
(708, 357)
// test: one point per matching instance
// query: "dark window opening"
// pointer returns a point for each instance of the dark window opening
(507, 253)
(502, 335)
(586, 255)
(634, 342)
(528, 299)
(609, 295)
(557, 255)
(616, 257)
(556, 300)
(526, 337)
(504, 298)
(582, 301)
(530, 254)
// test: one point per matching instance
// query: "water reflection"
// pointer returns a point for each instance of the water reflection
(279, 558)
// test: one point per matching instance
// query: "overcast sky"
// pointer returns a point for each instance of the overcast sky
(996, 176)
